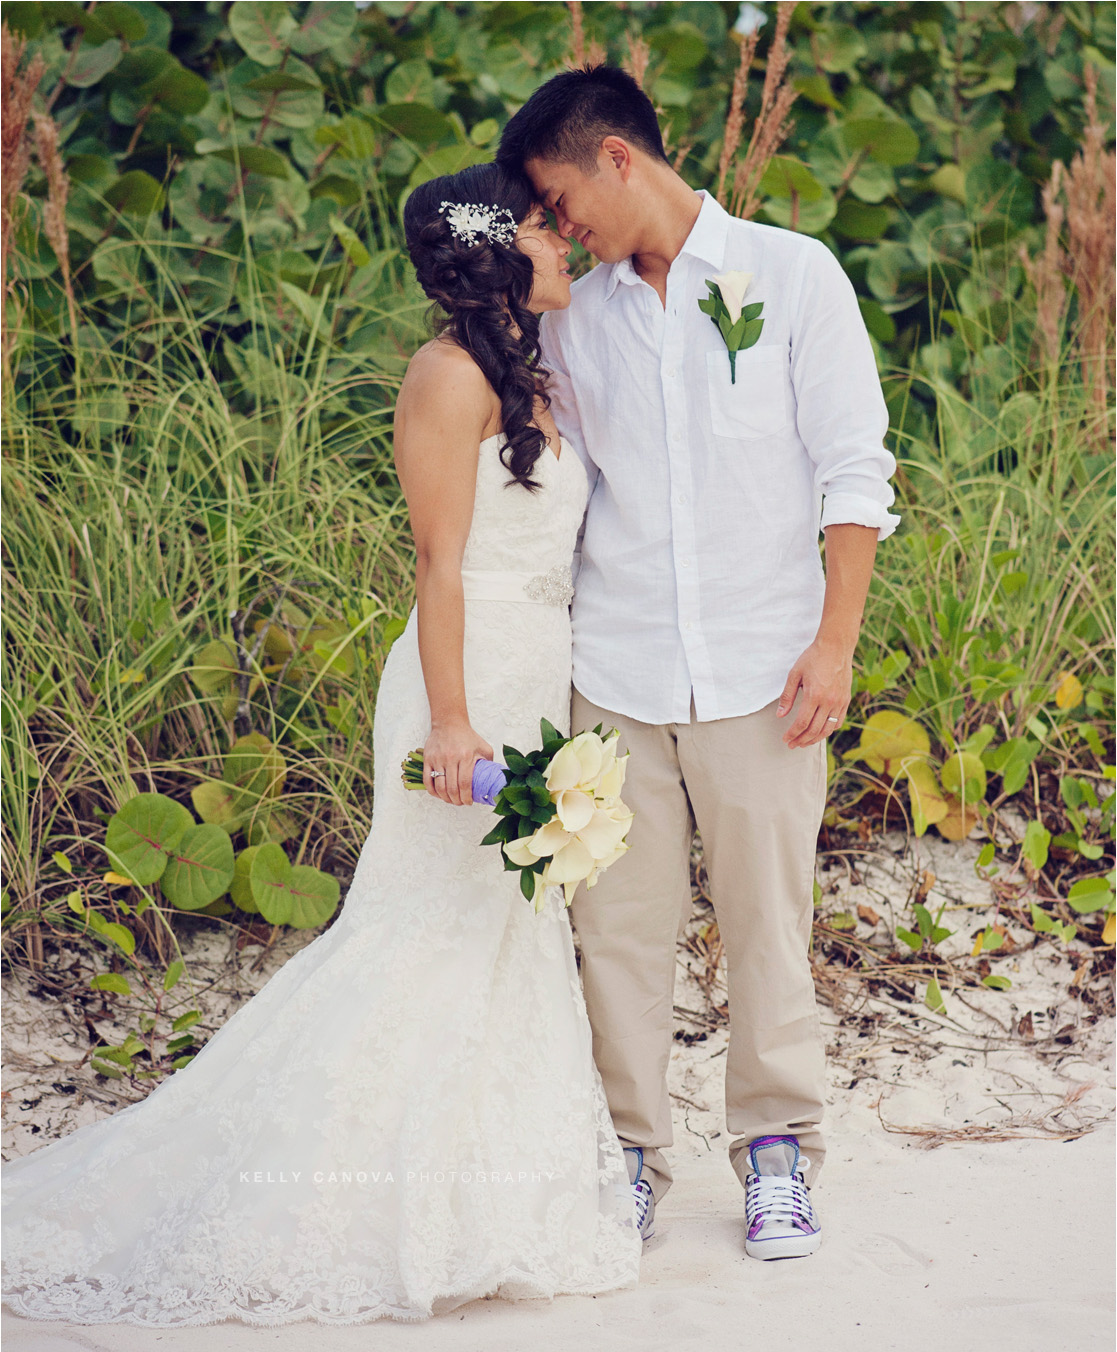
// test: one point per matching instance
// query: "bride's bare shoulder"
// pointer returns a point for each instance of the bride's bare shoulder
(443, 359)
(443, 382)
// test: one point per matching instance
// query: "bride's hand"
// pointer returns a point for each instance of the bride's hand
(455, 748)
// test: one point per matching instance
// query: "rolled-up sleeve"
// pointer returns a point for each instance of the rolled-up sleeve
(841, 415)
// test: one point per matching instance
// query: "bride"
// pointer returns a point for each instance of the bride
(407, 1116)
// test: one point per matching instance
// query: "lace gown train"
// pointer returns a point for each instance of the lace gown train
(407, 1116)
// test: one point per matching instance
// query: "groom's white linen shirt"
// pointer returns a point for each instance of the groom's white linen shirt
(699, 570)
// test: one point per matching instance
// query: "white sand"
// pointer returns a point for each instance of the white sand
(1005, 1246)
(975, 1243)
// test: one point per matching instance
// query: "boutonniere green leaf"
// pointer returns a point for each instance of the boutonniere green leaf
(739, 324)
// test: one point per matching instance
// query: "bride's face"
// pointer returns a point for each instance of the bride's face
(548, 252)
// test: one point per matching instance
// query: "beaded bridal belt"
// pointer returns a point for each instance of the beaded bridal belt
(555, 588)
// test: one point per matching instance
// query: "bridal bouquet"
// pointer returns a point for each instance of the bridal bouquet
(562, 819)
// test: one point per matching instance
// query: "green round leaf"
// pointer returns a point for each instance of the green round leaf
(1089, 895)
(887, 139)
(878, 321)
(200, 868)
(299, 107)
(240, 890)
(812, 216)
(217, 803)
(110, 981)
(255, 768)
(410, 82)
(94, 63)
(126, 21)
(120, 935)
(324, 25)
(95, 170)
(993, 186)
(964, 770)
(255, 159)
(300, 896)
(25, 19)
(861, 220)
(136, 193)
(682, 44)
(263, 28)
(484, 131)
(215, 665)
(785, 174)
(415, 121)
(141, 835)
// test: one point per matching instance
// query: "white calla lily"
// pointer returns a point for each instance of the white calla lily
(565, 770)
(612, 781)
(733, 286)
(605, 832)
(520, 852)
(549, 839)
(600, 865)
(589, 749)
(574, 808)
(571, 864)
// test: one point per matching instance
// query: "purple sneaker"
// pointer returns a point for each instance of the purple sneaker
(641, 1191)
(778, 1212)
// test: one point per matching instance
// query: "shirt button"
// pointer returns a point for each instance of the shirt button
(670, 373)
(686, 563)
(682, 498)
(688, 625)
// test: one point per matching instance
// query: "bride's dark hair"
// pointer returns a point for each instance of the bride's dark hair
(483, 289)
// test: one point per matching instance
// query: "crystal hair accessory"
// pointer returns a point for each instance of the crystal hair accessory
(468, 219)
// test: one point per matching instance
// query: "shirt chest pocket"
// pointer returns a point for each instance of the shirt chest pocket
(760, 403)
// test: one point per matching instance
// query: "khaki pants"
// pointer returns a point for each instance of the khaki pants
(758, 805)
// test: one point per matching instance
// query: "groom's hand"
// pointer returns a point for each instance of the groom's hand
(825, 674)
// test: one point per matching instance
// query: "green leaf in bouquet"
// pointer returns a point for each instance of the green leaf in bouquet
(504, 831)
(527, 883)
(517, 763)
(543, 814)
(549, 733)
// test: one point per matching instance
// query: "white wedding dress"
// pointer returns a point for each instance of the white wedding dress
(407, 1116)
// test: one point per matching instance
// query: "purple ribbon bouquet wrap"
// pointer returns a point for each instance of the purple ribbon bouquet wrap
(562, 820)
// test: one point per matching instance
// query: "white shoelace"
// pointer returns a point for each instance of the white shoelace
(779, 1198)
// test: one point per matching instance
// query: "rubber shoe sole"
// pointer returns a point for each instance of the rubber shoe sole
(784, 1246)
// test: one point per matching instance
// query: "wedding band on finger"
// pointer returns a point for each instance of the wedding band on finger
(833, 720)
(436, 773)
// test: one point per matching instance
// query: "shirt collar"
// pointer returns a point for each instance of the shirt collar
(706, 241)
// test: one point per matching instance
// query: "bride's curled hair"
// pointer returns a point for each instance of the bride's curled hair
(483, 290)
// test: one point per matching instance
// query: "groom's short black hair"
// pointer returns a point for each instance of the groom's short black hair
(566, 119)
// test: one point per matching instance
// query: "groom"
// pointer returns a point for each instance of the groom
(704, 626)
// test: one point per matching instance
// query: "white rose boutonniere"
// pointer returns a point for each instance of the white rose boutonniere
(739, 324)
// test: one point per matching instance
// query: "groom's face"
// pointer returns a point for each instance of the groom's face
(588, 208)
